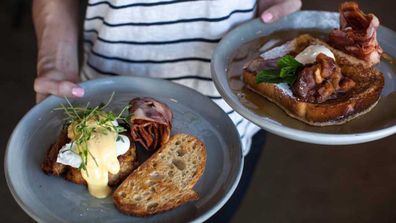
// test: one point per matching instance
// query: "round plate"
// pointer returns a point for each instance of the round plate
(53, 199)
(378, 123)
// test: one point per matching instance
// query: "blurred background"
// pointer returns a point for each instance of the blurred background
(292, 181)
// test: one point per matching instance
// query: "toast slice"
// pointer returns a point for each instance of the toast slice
(357, 101)
(49, 165)
(165, 180)
(128, 162)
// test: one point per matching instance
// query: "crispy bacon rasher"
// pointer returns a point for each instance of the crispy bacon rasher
(321, 81)
(151, 122)
(357, 34)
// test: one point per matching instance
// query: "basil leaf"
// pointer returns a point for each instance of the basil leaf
(268, 76)
(290, 80)
(288, 61)
(287, 73)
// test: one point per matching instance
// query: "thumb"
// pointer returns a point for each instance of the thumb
(280, 10)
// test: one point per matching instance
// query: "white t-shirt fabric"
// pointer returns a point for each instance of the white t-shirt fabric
(168, 39)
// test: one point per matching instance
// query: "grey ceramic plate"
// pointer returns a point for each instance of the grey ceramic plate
(52, 199)
(243, 43)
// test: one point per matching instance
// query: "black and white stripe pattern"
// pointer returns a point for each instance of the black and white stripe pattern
(168, 39)
(140, 4)
(170, 22)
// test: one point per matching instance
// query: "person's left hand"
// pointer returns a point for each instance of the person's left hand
(272, 10)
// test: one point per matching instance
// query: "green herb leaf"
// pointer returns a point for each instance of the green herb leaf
(268, 76)
(288, 61)
(290, 80)
(287, 72)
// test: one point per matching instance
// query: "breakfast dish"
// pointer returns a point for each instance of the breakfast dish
(247, 42)
(54, 199)
(91, 150)
(324, 92)
(317, 84)
(94, 149)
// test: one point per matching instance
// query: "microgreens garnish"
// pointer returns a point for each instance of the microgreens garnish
(286, 72)
(79, 117)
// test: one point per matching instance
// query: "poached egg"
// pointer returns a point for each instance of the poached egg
(68, 154)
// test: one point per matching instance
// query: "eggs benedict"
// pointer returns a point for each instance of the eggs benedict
(94, 144)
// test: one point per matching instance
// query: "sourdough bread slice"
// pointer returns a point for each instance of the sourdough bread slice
(165, 180)
(359, 100)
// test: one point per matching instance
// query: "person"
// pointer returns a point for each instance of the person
(169, 39)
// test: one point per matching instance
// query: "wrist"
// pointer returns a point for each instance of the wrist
(62, 57)
(56, 26)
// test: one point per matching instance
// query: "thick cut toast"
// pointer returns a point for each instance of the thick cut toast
(49, 165)
(128, 162)
(357, 101)
(165, 180)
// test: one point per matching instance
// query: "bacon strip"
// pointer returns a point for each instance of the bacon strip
(151, 122)
(260, 64)
(357, 34)
(321, 81)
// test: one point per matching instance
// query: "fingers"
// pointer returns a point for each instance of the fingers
(44, 85)
(54, 84)
(280, 10)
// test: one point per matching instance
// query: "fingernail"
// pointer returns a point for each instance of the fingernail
(267, 17)
(78, 92)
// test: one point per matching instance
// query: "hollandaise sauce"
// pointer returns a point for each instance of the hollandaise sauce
(101, 161)
(100, 153)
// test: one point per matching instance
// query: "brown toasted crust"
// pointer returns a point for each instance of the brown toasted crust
(158, 184)
(181, 197)
(128, 162)
(74, 175)
(360, 100)
(49, 165)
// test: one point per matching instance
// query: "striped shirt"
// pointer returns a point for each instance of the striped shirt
(169, 39)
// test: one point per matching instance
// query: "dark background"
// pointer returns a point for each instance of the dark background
(293, 182)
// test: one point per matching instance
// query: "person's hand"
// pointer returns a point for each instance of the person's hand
(56, 26)
(272, 10)
(57, 83)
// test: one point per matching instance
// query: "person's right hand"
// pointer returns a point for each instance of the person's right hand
(57, 83)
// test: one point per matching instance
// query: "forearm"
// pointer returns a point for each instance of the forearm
(56, 25)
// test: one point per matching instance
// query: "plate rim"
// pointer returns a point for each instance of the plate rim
(206, 215)
(281, 130)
